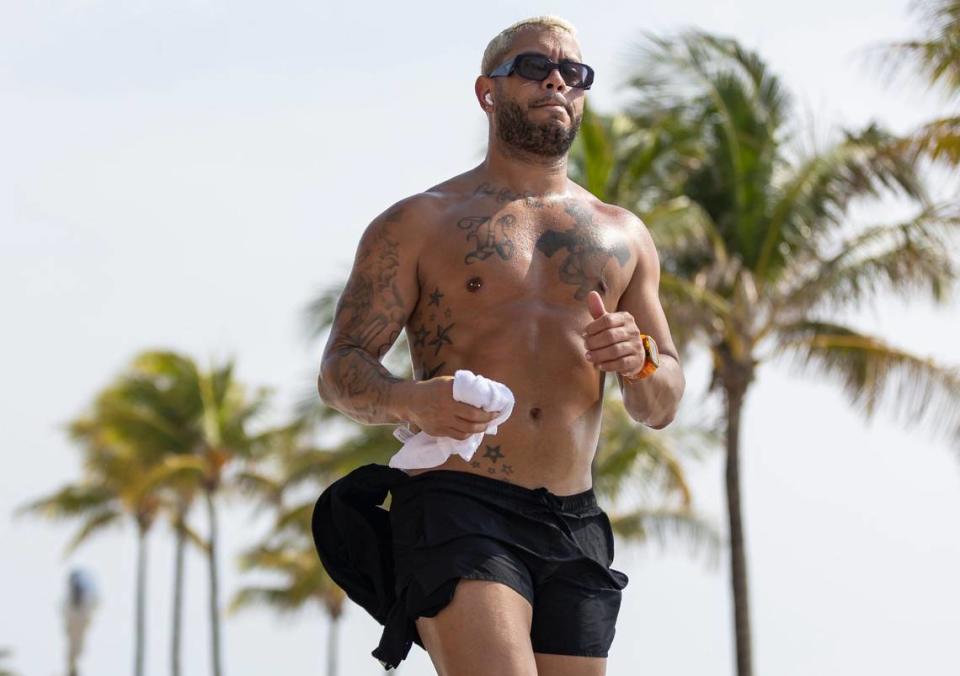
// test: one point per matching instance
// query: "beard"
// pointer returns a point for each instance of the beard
(548, 139)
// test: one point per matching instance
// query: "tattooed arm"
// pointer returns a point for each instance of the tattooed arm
(379, 296)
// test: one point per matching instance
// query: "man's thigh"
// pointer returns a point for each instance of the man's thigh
(569, 665)
(484, 630)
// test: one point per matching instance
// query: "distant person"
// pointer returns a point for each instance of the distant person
(500, 565)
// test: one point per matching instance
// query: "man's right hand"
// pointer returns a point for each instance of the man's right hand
(432, 409)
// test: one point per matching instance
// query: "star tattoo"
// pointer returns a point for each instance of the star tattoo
(419, 336)
(441, 338)
(493, 452)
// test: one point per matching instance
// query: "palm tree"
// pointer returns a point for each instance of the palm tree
(162, 410)
(216, 414)
(179, 430)
(936, 57)
(756, 251)
(289, 552)
(183, 533)
(288, 549)
(112, 488)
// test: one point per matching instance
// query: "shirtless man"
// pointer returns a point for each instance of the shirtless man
(512, 271)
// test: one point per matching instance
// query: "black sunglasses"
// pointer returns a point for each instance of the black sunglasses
(538, 67)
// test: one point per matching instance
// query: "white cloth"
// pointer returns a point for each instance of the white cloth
(424, 450)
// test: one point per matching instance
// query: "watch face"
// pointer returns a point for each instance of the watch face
(651, 348)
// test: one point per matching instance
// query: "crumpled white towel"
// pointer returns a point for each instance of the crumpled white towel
(424, 450)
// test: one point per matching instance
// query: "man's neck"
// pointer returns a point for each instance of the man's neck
(523, 172)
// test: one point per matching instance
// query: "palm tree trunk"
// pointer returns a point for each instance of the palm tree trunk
(178, 592)
(214, 585)
(332, 646)
(141, 601)
(735, 394)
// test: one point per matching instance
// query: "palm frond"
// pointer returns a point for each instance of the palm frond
(936, 56)
(680, 227)
(311, 464)
(303, 577)
(173, 471)
(872, 372)
(255, 483)
(671, 71)
(904, 258)
(277, 598)
(70, 501)
(938, 140)
(92, 525)
(194, 538)
(693, 309)
(667, 524)
(598, 151)
(297, 518)
(630, 454)
(812, 202)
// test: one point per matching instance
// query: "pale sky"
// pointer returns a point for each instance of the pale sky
(188, 175)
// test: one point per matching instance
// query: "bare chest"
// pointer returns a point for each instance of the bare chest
(483, 255)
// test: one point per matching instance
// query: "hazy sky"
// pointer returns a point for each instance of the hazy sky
(188, 175)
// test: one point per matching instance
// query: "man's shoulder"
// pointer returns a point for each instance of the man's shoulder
(413, 213)
(610, 213)
(432, 203)
(621, 218)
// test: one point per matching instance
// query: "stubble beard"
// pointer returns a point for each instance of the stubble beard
(547, 139)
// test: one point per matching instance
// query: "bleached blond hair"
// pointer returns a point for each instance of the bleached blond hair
(500, 45)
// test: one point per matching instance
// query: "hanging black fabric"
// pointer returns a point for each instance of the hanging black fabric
(351, 531)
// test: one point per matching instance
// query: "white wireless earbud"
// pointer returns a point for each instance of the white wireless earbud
(486, 97)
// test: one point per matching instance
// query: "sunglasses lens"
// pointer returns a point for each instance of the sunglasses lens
(574, 74)
(534, 67)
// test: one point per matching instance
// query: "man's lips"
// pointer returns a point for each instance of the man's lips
(554, 104)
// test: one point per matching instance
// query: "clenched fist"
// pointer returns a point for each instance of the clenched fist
(432, 409)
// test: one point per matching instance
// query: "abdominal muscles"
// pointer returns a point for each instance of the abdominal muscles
(536, 350)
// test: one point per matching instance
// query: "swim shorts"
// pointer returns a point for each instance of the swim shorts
(446, 525)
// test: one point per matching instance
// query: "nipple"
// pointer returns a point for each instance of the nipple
(534, 412)
(474, 284)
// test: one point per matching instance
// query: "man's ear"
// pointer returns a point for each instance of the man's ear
(481, 88)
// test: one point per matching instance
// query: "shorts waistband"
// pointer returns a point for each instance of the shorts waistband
(576, 501)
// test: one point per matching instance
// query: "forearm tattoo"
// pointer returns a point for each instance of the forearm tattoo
(367, 321)
(361, 386)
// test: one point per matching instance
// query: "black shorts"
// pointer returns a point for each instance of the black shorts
(446, 525)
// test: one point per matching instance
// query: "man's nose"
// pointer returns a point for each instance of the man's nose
(555, 81)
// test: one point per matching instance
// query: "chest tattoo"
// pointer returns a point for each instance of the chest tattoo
(490, 237)
(585, 255)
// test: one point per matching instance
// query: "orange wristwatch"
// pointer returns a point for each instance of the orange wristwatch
(651, 360)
